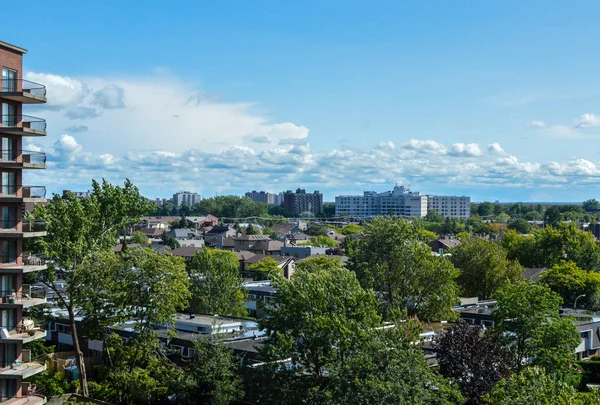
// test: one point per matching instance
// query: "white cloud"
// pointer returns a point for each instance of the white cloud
(62, 91)
(587, 120)
(152, 112)
(82, 113)
(110, 97)
(428, 146)
(536, 124)
(496, 149)
(461, 149)
(276, 168)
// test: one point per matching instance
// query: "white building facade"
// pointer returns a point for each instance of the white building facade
(401, 202)
(186, 197)
(450, 206)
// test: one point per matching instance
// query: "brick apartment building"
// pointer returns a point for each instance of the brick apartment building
(15, 362)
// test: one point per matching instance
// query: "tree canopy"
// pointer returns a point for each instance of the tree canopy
(216, 283)
(484, 267)
(391, 258)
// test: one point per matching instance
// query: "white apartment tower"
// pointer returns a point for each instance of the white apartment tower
(401, 202)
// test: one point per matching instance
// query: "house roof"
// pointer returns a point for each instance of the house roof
(186, 251)
(284, 229)
(217, 229)
(267, 246)
(185, 233)
(297, 236)
(251, 237)
(244, 255)
(228, 242)
(533, 273)
(448, 243)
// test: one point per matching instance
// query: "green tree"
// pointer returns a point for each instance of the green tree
(139, 238)
(485, 209)
(520, 225)
(319, 263)
(317, 230)
(252, 230)
(78, 228)
(266, 268)
(152, 288)
(548, 246)
(484, 267)
(352, 229)
(552, 216)
(391, 259)
(217, 286)
(532, 386)
(388, 368)
(571, 282)
(592, 204)
(215, 374)
(318, 315)
(433, 216)
(528, 321)
(320, 241)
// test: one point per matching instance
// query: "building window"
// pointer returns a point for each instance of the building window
(9, 183)
(9, 80)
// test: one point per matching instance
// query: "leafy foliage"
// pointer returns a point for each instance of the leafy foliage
(571, 282)
(391, 259)
(318, 315)
(473, 359)
(546, 247)
(77, 229)
(215, 374)
(529, 324)
(483, 266)
(139, 238)
(532, 386)
(216, 284)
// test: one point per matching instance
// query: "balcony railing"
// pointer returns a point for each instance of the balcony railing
(32, 225)
(17, 297)
(27, 156)
(22, 85)
(23, 121)
(30, 259)
(33, 157)
(34, 192)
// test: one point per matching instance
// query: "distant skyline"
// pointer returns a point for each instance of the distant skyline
(498, 100)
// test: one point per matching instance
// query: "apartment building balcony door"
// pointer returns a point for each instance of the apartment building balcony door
(9, 388)
(9, 80)
(9, 115)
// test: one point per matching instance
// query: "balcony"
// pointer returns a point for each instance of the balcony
(30, 263)
(26, 331)
(26, 297)
(23, 368)
(23, 125)
(29, 228)
(9, 193)
(23, 91)
(34, 193)
(30, 395)
(23, 159)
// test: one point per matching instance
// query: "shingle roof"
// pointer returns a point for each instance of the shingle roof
(186, 251)
(268, 246)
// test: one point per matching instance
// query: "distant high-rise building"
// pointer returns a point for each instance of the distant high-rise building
(300, 202)
(265, 197)
(401, 202)
(186, 197)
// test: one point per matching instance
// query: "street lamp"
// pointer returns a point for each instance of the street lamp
(575, 304)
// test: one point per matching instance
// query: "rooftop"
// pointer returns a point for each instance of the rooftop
(13, 47)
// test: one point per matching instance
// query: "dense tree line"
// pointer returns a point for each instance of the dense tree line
(336, 334)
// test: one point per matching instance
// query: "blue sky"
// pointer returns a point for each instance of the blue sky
(497, 99)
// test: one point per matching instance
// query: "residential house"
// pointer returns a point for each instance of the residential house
(217, 233)
(267, 247)
(443, 244)
(245, 242)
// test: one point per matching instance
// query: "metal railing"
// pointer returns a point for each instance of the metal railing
(32, 225)
(27, 156)
(34, 192)
(26, 293)
(33, 157)
(31, 259)
(19, 364)
(23, 121)
(26, 86)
